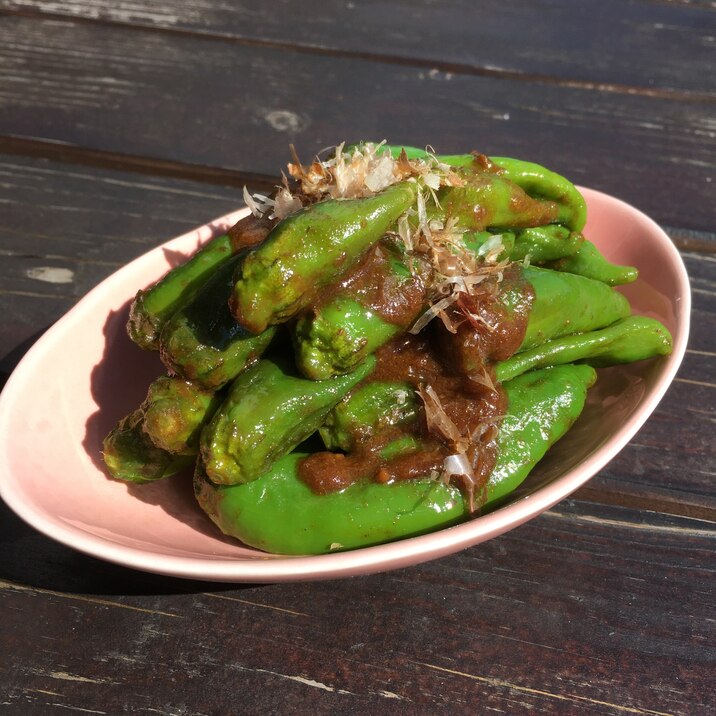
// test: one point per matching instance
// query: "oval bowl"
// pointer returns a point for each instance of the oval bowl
(84, 374)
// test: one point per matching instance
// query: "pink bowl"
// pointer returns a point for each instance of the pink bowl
(84, 374)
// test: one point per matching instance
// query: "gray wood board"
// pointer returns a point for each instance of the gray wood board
(182, 98)
(583, 610)
(615, 44)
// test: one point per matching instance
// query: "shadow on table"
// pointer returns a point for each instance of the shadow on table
(29, 559)
(10, 360)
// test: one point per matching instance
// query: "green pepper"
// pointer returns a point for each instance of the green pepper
(279, 513)
(310, 250)
(588, 261)
(628, 340)
(545, 243)
(379, 405)
(160, 437)
(153, 306)
(203, 342)
(175, 411)
(130, 455)
(537, 181)
(566, 303)
(489, 200)
(335, 338)
(266, 414)
(368, 409)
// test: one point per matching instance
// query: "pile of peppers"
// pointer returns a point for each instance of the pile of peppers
(270, 345)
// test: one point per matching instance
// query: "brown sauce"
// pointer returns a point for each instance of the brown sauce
(249, 231)
(396, 297)
(469, 411)
(490, 325)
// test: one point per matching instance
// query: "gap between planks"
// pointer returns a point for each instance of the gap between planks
(685, 240)
(663, 504)
(73, 154)
(457, 68)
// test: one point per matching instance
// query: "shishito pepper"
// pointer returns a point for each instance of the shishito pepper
(540, 182)
(175, 411)
(566, 303)
(382, 405)
(588, 261)
(628, 340)
(153, 306)
(368, 409)
(537, 181)
(490, 200)
(266, 414)
(203, 342)
(544, 243)
(279, 513)
(161, 437)
(130, 455)
(308, 251)
(246, 478)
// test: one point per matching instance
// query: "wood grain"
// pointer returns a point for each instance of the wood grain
(65, 228)
(609, 46)
(237, 107)
(563, 615)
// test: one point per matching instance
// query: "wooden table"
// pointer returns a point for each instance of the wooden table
(124, 124)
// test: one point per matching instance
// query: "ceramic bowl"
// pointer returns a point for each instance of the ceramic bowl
(83, 374)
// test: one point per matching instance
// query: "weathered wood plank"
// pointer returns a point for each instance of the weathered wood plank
(583, 610)
(625, 49)
(183, 98)
(66, 228)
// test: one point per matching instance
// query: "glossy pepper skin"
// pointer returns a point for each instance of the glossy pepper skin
(266, 414)
(490, 200)
(377, 406)
(541, 182)
(566, 303)
(537, 181)
(153, 306)
(309, 251)
(338, 336)
(628, 340)
(367, 410)
(545, 243)
(588, 261)
(175, 411)
(327, 343)
(279, 513)
(203, 342)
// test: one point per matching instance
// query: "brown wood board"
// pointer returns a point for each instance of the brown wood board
(563, 615)
(611, 44)
(182, 98)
